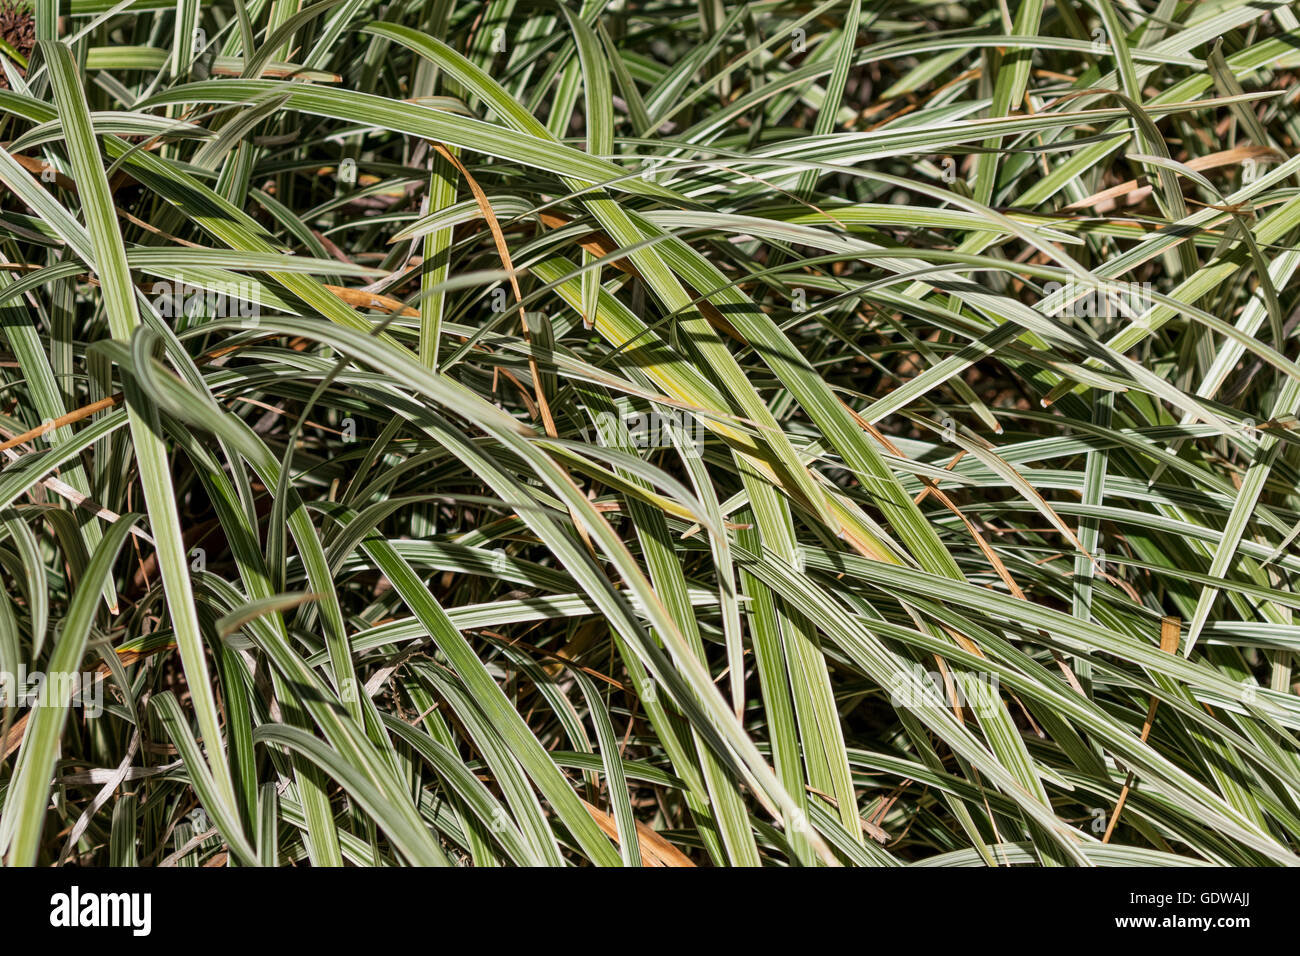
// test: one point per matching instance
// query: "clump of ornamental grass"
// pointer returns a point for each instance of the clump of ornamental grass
(667, 434)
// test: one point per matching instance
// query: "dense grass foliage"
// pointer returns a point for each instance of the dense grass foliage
(649, 433)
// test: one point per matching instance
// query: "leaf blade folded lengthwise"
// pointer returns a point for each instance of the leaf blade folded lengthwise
(150, 452)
